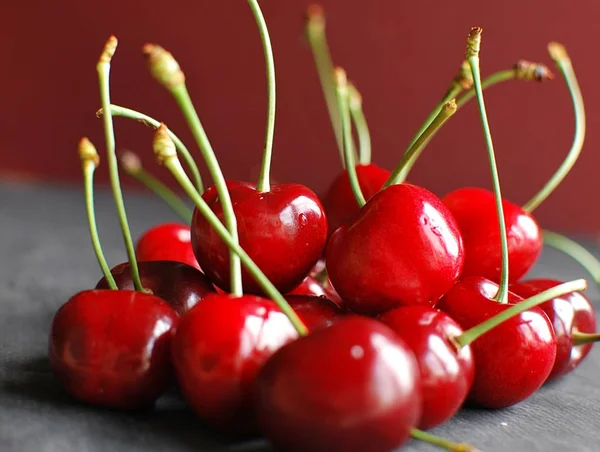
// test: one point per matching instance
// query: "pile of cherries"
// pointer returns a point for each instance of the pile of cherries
(396, 308)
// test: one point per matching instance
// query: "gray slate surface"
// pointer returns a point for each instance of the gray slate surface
(46, 257)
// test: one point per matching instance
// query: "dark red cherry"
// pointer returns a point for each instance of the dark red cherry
(113, 348)
(283, 230)
(404, 248)
(339, 202)
(219, 347)
(315, 312)
(571, 313)
(167, 242)
(447, 371)
(351, 387)
(475, 213)
(179, 284)
(310, 286)
(514, 359)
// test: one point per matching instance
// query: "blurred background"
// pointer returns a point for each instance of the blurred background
(401, 55)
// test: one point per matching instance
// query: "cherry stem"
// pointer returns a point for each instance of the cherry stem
(263, 184)
(132, 165)
(574, 250)
(166, 155)
(341, 85)
(474, 333)
(441, 442)
(360, 124)
(563, 62)
(128, 113)
(103, 69)
(90, 161)
(167, 72)
(584, 338)
(412, 154)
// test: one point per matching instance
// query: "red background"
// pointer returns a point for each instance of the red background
(401, 55)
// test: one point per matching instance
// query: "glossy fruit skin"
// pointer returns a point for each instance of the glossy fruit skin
(179, 284)
(315, 312)
(320, 393)
(167, 242)
(310, 286)
(113, 348)
(404, 248)
(569, 313)
(475, 212)
(284, 231)
(513, 360)
(340, 204)
(447, 371)
(219, 347)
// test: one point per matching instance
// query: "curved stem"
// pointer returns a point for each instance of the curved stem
(103, 69)
(574, 250)
(585, 338)
(128, 113)
(441, 442)
(472, 334)
(563, 62)
(360, 124)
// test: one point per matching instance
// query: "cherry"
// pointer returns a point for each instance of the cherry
(475, 213)
(112, 348)
(353, 386)
(167, 242)
(570, 315)
(403, 248)
(447, 371)
(315, 312)
(311, 286)
(219, 347)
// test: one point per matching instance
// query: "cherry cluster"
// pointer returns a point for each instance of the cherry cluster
(350, 324)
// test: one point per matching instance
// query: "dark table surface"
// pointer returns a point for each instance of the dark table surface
(46, 257)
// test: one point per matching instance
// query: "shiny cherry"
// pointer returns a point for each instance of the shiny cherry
(447, 371)
(404, 248)
(475, 213)
(113, 348)
(310, 286)
(351, 387)
(315, 312)
(283, 230)
(167, 242)
(571, 313)
(179, 284)
(219, 347)
(514, 359)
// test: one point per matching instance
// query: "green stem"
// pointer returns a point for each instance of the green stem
(441, 442)
(360, 124)
(132, 166)
(585, 338)
(574, 250)
(263, 184)
(474, 333)
(473, 59)
(497, 77)
(128, 113)
(563, 62)
(103, 69)
(412, 154)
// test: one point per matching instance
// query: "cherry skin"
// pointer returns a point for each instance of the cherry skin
(315, 312)
(340, 204)
(404, 248)
(113, 348)
(447, 371)
(167, 242)
(219, 347)
(179, 284)
(283, 230)
(568, 314)
(514, 359)
(475, 212)
(351, 387)
(310, 286)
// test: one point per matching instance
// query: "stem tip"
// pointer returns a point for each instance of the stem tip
(529, 71)
(163, 66)
(109, 49)
(464, 78)
(473, 42)
(341, 80)
(87, 152)
(130, 162)
(315, 15)
(558, 52)
(163, 145)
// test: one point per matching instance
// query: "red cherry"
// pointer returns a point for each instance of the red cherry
(404, 248)
(514, 359)
(315, 312)
(351, 387)
(340, 203)
(475, 213)
(447, 371)
(112, 348)
(310, 286)
(218, 349)
(568, 314)
(167, 242)
(177, 283)
(283, 230)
